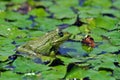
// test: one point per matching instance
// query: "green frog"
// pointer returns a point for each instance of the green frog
(45, 45)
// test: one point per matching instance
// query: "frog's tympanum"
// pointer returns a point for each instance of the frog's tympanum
(44, 45)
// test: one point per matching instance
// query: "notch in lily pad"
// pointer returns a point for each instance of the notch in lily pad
(78, 22)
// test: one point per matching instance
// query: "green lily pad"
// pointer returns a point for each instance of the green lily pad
(98, 4)
(17, 1)
(38, 12)
(108, 48)
(76, 72)
(2, 6)
(67, 4)
(58, 11)
(116, 73)
(10, 75)
(19, 64)
(58, 72)
(101, 75)
(106, 22)
(45, 24)
(10, 31)
(3, 58)
(68, 60)
(18, 16)
(47, 3)
(6, 47)
(114, 37)
(101, 20)
(116, 4)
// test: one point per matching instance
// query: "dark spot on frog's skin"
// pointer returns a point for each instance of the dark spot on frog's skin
(61, 34)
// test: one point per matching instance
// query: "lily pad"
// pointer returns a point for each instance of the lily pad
(23, 20)
(27, 67)
(58, 72)
(10, 75)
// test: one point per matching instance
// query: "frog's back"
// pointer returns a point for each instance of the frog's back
(41, 41)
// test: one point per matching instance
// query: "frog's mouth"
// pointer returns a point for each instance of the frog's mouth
(62, 39)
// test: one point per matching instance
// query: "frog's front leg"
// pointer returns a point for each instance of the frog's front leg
(26, 51)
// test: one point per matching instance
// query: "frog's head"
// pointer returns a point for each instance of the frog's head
(59, 37)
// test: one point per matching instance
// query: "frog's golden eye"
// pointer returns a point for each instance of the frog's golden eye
(60, 34)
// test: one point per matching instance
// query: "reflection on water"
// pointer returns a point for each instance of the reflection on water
(73, 49)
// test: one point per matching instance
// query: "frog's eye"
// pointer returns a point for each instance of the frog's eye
(60, 34)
